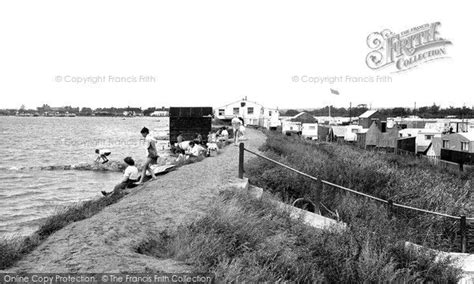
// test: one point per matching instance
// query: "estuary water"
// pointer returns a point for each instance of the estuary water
(49, 162)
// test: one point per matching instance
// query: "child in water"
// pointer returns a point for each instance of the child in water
(102, 155)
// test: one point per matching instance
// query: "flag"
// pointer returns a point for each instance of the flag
(335, 92)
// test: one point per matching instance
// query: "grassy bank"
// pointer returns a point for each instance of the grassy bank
(242, 239)
(13, 249)
(404, 180)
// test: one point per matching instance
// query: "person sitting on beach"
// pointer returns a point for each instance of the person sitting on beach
(224, 134)
(102, 155)
(130, 177)
(198, 138)
(211, 143)
(181, 147)
(192, 152)
(180, 138)
(152, 154)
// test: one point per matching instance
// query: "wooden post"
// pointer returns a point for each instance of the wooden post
(463, 234)
(390, 209)
(319, 192)
(241, 160)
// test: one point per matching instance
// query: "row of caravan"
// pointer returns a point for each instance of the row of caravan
(317, 131)
(307, 130)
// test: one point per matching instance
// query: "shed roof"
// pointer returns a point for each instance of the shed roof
(468, 135)
(368, 114)
(436, 145)
(298, 115)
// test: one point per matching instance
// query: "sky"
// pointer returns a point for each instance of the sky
(210, 53)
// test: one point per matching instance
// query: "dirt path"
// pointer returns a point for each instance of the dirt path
(106, 242)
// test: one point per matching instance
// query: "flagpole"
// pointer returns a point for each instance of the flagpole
(333, 92)
(350, 113)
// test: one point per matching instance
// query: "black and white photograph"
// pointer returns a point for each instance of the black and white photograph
(236, 141)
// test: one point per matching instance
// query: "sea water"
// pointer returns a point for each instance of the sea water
(48, 163)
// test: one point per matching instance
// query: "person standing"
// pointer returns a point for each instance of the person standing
(152, 154)
(236, 122)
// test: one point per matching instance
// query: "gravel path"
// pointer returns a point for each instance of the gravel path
(106, 242)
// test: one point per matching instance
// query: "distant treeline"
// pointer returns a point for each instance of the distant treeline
(433, 111)
(84, 111)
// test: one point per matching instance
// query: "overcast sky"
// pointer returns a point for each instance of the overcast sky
(209, 53)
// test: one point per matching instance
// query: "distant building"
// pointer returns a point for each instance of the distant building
(409, 132)
(434, 149)
(251, 112)
(310, 131)
(373, 116)
(458, 148)
(406, 145)
(163, 113)
(289, 127)
(425, 137)
(304, 117)
(459, 142)
(351, 132)
(344, 132)
(337, 132)
(372, 136)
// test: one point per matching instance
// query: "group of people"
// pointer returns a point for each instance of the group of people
(186, 150)
(190, 149)
(131, 176)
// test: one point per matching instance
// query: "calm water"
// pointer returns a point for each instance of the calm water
(48, 162)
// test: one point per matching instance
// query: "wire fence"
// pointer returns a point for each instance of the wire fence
(464, 229)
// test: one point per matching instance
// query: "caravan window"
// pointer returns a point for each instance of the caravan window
(464, 146)
(445, 143)
(221, 111)
(428, 137)
(235, 111)
(250, 110)
(312, 127)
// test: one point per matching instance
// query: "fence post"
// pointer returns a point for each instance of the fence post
(389, 209)
(241, 160)
(319, 191)
(463, 234)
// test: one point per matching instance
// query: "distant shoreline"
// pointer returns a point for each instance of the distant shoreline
(122, 116)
